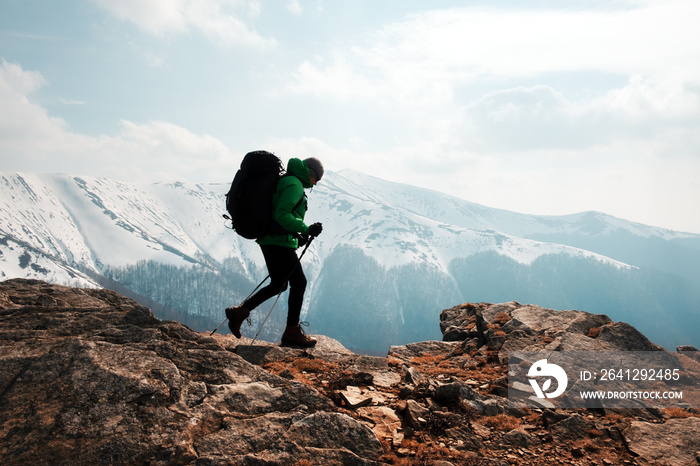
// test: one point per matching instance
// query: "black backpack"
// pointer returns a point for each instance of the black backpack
(249, 201)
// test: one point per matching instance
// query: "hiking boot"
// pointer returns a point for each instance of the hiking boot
(236, 315)
(295, 336)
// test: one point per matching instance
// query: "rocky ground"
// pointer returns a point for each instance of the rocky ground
(90, 377)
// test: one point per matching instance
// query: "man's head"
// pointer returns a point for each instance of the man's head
(315, 169)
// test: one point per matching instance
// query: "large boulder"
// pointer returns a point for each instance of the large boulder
(674, 443)
(91, 377)
(516, 327)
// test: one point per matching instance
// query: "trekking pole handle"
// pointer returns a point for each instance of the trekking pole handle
(306, 246)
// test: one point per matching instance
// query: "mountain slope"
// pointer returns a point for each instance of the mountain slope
(629, 242)
(389, 258)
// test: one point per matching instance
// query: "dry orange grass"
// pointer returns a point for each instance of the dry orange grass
(275, 367)
(427, 360)
(677, 413)
(432, 365)
(313, 365)
(586, 444)
(501, 422)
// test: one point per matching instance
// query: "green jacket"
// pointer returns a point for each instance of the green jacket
(289, 191)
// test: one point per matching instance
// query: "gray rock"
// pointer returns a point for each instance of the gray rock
(464, 439)
(355, 397)
(551, 417)
(495, 405)
(673, 443)
(565, 341)
(412, 376)
(689, 351)
(385, 423)
(621, 336)
(244, 436)
(574, 427)
(539, 319)
(89, 377)
(263, 352)
(512, 326)
(458, 334)
(413, 350)
(385, 379)
(415, 414)
(457, 317)
(454, 392)
(519, 438)
(333, 431)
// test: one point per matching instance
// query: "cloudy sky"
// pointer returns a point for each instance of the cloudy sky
(542, 107)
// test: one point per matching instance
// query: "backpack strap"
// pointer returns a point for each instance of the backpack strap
(302, 197)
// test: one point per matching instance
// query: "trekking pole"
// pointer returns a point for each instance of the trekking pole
(280, 293)
(251, 294)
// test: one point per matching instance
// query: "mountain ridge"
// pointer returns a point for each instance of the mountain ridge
(521, 220)
(400, 239)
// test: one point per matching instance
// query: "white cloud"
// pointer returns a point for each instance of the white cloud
(31, 138)
(539, 117)
(671, 99)
(294, 7)
(161, 150)
(520, 119)
(156, 17)
(338, 80)
(21, 120)
(15, 81)
(425, 57)
(222, 21)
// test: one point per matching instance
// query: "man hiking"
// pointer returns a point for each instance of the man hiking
(279, 250)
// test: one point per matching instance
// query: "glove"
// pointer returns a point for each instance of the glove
(302, 239)
(315, 229)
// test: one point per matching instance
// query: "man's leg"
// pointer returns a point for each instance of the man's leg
(293, 334)
(297, 287)
(279, 261)
(276, 260)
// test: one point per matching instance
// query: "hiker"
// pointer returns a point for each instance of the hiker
(279, 250)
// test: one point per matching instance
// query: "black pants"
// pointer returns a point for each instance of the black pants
(284, 267)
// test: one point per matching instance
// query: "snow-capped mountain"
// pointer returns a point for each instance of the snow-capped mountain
(93, 222)
(382, 242)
